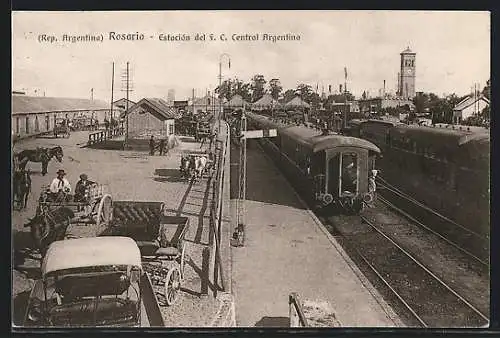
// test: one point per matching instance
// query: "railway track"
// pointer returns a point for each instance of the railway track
(471, 243)
(428, 300)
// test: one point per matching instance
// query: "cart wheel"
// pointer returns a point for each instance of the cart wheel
(172, 285)
(183, 260)
(105, 211)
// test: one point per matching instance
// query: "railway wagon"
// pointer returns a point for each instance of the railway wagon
(447, 168)
(329, 170)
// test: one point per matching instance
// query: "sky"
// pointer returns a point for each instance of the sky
(452, 50)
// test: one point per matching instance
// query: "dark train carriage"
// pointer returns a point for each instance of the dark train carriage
(445, 168)
(353, 127)
(330, 169)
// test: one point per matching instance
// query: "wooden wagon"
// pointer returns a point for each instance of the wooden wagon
(161, 240)
(61, 127)
(95, 208)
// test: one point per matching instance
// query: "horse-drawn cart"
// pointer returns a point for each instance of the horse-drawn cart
(62, 127)
(196, 165)
(94, 208)
(160, 239)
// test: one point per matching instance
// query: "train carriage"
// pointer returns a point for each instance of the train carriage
(444, 166)
(331, 169)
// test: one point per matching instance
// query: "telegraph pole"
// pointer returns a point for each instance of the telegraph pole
(126, 87)
(112, 88)
(220, 82)
(345, 98)
(240, 202)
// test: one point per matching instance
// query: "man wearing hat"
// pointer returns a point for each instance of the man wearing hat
(81, 188)
(60, 187)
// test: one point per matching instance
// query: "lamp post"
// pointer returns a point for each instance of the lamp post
(220, 80)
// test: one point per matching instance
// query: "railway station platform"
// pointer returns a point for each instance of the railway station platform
(287, 250)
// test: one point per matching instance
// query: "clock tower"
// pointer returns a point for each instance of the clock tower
(406, 88)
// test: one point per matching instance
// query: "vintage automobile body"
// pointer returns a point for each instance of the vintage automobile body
(89, 282)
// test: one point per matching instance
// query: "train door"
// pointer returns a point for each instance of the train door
(333, 177)
(349, 172)
(343, 173)
(318, 171)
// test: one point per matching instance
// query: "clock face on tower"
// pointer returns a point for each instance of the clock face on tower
(409, 71)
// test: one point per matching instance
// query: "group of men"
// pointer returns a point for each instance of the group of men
(60, 188)
(161, 146)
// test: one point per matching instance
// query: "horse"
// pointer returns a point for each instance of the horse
(200, 165)
(22, 188)
(43, 155)
(49, 226)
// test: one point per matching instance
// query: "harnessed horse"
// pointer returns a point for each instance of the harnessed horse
(49, 225)
(43, 155)
(200, 165)
(22, 187)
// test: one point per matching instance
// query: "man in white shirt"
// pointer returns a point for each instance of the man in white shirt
(60, 187)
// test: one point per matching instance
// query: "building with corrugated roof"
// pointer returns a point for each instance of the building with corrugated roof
(469, 106)
(34, 115)
(207, 103)
(151, 116)
(120, 107)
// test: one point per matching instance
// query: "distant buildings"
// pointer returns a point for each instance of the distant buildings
(120, 107)
(470, 106)
(151, 116)
(34, 115)
(171, 96)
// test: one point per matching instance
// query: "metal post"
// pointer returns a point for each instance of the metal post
(112, 88)
(345, 98)
(220, 88)
(126, 119)
(243, 173)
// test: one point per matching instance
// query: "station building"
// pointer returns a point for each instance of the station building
(469, 106)
(36, 115)
(151, 116)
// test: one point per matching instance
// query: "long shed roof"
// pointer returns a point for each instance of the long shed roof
(22, 104)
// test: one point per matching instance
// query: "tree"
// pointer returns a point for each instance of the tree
(275, 88)
(241, 88)
(304, 91)
(224, 90)
(258, 87)
(487, 90)
(288, 95)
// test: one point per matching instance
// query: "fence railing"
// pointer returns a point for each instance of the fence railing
(104, 135)
(296, 312)
(217, 204)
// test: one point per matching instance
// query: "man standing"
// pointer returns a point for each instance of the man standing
(60, 187)
(162, 146)
(151, 145)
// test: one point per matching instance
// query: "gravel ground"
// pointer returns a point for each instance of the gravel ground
(437, 306)
(467, 277)
(130, 175)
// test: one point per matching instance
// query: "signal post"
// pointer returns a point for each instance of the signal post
(239, 232)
